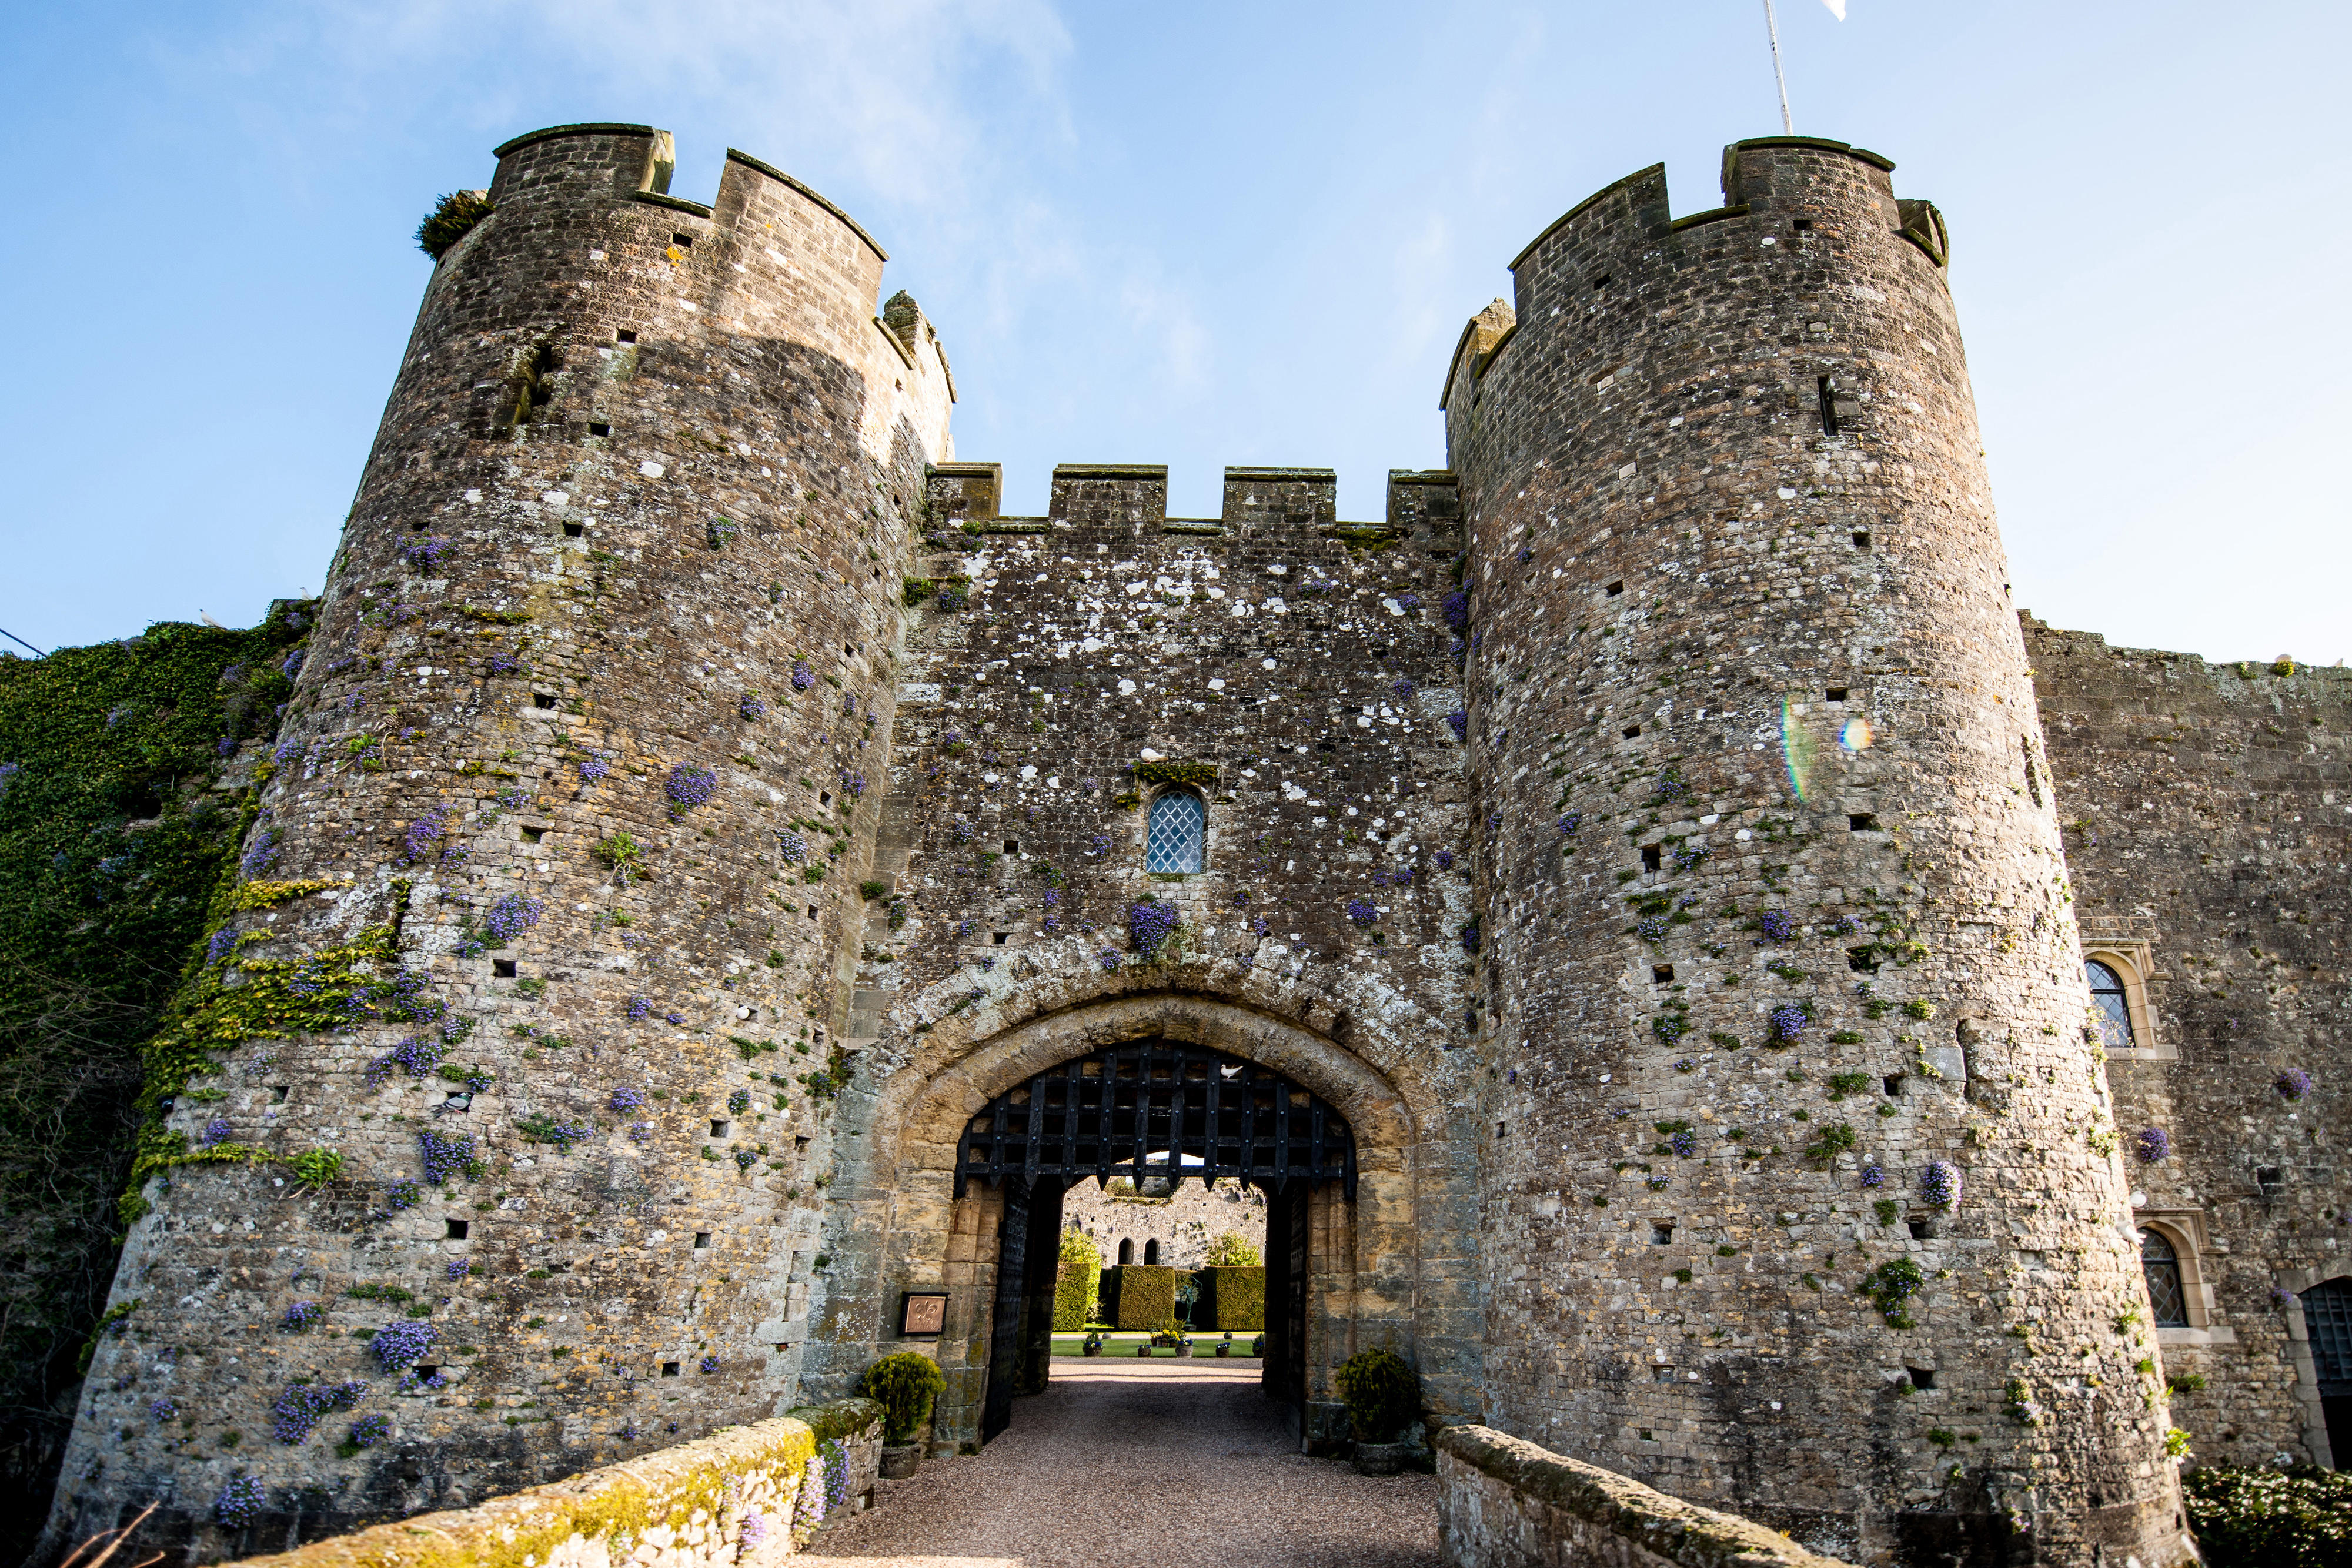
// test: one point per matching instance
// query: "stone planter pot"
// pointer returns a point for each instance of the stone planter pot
(1381, 1458)
(900, 1459)
(1090, 1348)
(1224, 1348)
(1143, 1350)
(1183, 1350)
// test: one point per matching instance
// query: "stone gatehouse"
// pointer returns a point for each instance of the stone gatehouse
(1681, 960)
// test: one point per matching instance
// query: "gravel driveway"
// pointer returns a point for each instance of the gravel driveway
(1171, 1463)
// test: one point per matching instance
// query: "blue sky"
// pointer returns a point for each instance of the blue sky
(1201, 235)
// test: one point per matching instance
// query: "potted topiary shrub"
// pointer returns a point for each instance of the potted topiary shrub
(1093, 1345)
(906, 1385)
(1258, 1347)
(1383, 1396)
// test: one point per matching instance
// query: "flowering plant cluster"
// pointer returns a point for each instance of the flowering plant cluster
(1669, 784)
(739, 1101)
(300, 1316)
(594, 766)
(216, 1132)
(1455, 608)
(426, 552)
(369, 1430)
(853, 783)
(423, 833)
(1470, 934)
(240, 1502)
(2293, 1085)
(1874, 1175)
(444, 1156)
(1785, 1022)
(1939, 1185)
(512, 915)
(790, 848)
(638, 1010)
(402, 1193)
(163, 1409)
(750, 706)
(419, 1053)
(1688, 855)
(261, 854)
(802, 678)
(1653, 927)
(301, 1406)
(1150, 923)
(688, 786)
(2153, 1145)
(1777, 925)
(1404, 688)
(1684, 1143)
(1459, 721)
(626, 1099)
(403, 1343)
(1108, 958)
(541, 1128)
(1363, 912)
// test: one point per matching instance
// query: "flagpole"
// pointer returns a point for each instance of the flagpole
(1772, 31)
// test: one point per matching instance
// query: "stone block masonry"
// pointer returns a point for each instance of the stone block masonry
(701, 812)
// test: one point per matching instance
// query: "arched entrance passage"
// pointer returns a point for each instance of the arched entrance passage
(1394, 1267)
(1152, 1111)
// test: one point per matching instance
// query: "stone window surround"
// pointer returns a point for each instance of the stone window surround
(2133, 961)
(2184, 1229)
(2306, 1370)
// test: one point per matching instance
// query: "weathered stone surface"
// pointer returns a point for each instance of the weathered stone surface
(1506, 1503)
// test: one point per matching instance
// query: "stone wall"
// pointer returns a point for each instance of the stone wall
(1779, 947)
(2208, 811)
(743, 1497)
(555, 882)
(1506, 1503)
(1303, 664)
(1184, 1222)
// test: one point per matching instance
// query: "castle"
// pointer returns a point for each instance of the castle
(1687, 964)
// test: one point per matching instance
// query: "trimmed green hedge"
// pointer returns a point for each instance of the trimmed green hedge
(1234, 1298)
(2271, 1519)
(1075, 1286)
(1146, 1296)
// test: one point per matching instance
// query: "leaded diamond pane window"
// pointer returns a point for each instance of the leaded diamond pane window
(1173, 842)
(2161, 1264)
(2108, 1001)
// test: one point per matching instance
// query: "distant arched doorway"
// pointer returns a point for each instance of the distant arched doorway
(2328, 1319)
(1151, 1250)
(1163, 1111)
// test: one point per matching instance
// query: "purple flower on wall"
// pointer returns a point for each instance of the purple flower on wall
(1108, 959)
(444, 1156)
(298, 1410)
(639, 1009)
(790, 848)
(1455, 607)
(802, 678)
(1684, 1143)
(1404, 691)
(1669, 784)
(370, 1430)
(1653, 928)
(1363, 912)
(1570, 822)
(503, 663)
(673, 1018)
(1939, 1185)
(162, 1409)
(423, 833)
(261, 854)
(512, 916)
(688, 785)
(402, 1193)
(626, 1099)
(709, 1363)
(1777, 925)
(1689, 855)
(753, 1530)
(289, 751)
(2293, 1085)
(220, 944)
(2152, 1145)
(1785, 1023)
(240, 1502)
(594, 766)
(216, 1132)
(460, 1267)
(300, 1316)
(1408, 601)
(1471, 935)
(1874, 1175)
(751, 707)
(403, 1343)
(1459, 721)
(1445, 859)
(1150, 925)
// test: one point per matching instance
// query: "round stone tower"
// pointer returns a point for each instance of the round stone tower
(538, 957)
(1802, 1196)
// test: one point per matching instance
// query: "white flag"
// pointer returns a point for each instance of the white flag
(1837, 8)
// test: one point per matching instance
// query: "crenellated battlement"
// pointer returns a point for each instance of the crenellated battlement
(1132, 497)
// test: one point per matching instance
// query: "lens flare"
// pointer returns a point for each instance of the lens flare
(1798, 749)
(1855, 737)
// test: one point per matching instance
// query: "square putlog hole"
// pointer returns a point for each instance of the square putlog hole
(1860, 540)
(457, 1229)
(1861, 822)
(542, 700)
(702, 1238)
(1662, 973)
(1653, 856)
(502, 968)
(573, 531)
(669, 1369)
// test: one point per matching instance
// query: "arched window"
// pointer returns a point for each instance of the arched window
(1151, 1251)
(2161, 1264)
(1127, 1251)
(1178, 828)
(2112, 1004)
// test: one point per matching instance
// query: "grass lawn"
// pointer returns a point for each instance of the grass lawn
(1204, 1345)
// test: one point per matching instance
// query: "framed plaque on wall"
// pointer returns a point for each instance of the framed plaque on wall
(922, 1314)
